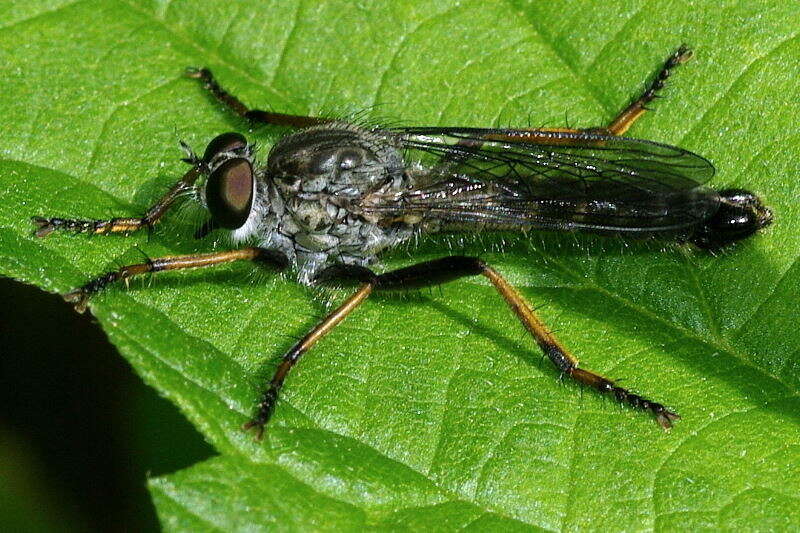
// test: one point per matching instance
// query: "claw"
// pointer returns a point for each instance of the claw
(78, 298)
(193, 72)
(665, 419)
(254, 424)
(683, 54)
(45, 227)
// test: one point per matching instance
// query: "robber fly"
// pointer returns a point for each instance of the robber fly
(334, 195)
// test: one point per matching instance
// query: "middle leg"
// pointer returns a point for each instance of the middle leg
(427, 274)
(448, 269)
(80, 296)
(257, 116)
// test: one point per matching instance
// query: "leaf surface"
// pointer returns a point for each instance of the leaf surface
(431, 412)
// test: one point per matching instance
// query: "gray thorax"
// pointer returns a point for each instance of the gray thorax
(307, 201)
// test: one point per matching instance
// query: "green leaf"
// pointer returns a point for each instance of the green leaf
(432, 412)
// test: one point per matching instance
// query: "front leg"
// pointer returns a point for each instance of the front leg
(225, 145)
(121, 224)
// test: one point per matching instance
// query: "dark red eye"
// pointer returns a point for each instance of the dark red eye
(229, 193)
(227, 142)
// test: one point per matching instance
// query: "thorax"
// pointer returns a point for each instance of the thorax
(308, 197)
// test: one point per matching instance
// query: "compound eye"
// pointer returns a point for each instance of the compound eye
(229, 193)
(227, 142)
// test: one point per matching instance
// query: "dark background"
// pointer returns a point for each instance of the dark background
(80, 433)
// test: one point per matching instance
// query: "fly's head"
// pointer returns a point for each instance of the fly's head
(229, 189)
(740, 215)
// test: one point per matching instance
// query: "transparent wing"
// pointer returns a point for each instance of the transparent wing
(633, 164)
(555, 179)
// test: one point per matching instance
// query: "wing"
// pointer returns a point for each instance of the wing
(554, 179)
